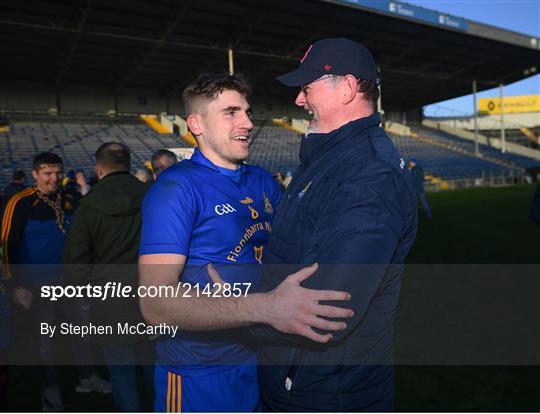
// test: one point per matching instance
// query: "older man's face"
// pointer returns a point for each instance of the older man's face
(321, 99)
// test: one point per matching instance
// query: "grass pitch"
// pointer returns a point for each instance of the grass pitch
(477, 226)
(483, 225)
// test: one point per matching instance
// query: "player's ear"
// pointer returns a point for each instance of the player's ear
(194, 124)
(34, 174)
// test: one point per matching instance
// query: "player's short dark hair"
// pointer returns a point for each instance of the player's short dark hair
(18, 175)
(163, 153)
(208, 86)
(46, 158)
(114, 156)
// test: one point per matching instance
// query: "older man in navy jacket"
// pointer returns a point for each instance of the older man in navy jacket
(351, 207)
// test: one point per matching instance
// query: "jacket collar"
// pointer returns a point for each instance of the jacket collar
(114, 173)
(314, 145)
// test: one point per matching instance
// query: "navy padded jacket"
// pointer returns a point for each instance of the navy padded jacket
(351, 207)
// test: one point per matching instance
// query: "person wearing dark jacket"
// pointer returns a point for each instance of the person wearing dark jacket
(101, 247)
(417, 172)
(16, 185)
(351, 207)
(535, 207)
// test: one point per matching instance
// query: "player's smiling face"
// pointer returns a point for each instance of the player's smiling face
(224, 130)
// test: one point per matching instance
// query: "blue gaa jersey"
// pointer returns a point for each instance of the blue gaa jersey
(210, 216)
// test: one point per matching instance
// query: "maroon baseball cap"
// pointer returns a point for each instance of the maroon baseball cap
(338, 56)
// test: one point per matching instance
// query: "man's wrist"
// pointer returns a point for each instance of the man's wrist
(258, 307)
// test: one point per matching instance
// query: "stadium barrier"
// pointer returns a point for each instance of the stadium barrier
(487, 181)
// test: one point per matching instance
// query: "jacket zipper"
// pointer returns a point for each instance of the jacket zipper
(292, 370)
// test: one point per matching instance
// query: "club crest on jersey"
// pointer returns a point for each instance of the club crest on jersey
(247, 200)
(302, 193)
(254, 213)
(267, 205)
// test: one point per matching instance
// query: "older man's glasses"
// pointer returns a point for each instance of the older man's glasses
(305, 88)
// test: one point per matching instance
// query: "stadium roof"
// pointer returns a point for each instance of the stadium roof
(163, 44)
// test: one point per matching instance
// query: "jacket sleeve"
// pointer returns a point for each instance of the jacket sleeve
(357, 234)
(78, 249)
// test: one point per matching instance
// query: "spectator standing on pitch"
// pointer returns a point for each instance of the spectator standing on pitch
(351, 208)
(161, 160)
(103, 238)
(34, 228)
(417, 172)
(16, 185)
(535, 207)
(214, 208)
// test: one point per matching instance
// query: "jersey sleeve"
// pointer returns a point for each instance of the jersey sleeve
(168, 216)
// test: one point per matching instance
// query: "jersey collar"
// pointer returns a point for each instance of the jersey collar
(199, 158)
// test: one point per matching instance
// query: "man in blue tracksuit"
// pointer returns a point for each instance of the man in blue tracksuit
(351, 207)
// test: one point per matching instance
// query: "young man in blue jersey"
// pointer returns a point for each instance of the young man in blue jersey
(216, 209)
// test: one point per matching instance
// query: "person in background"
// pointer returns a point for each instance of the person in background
(34, 229)
(82, 182)
(16, 185)
(103, 238)
(76, 181)
(161, 160)
(144, 176)
(535, 207)
(278, 177)
(417, 172)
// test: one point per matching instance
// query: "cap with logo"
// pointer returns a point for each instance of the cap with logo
(338, 56)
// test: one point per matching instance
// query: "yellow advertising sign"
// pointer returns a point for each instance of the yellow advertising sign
(511, 104)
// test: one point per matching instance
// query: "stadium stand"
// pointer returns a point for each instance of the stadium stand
(76, 143)
(274, 148)
(458, 143)
(447, 163)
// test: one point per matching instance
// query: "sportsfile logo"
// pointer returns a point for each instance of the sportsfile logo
(221, 209)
